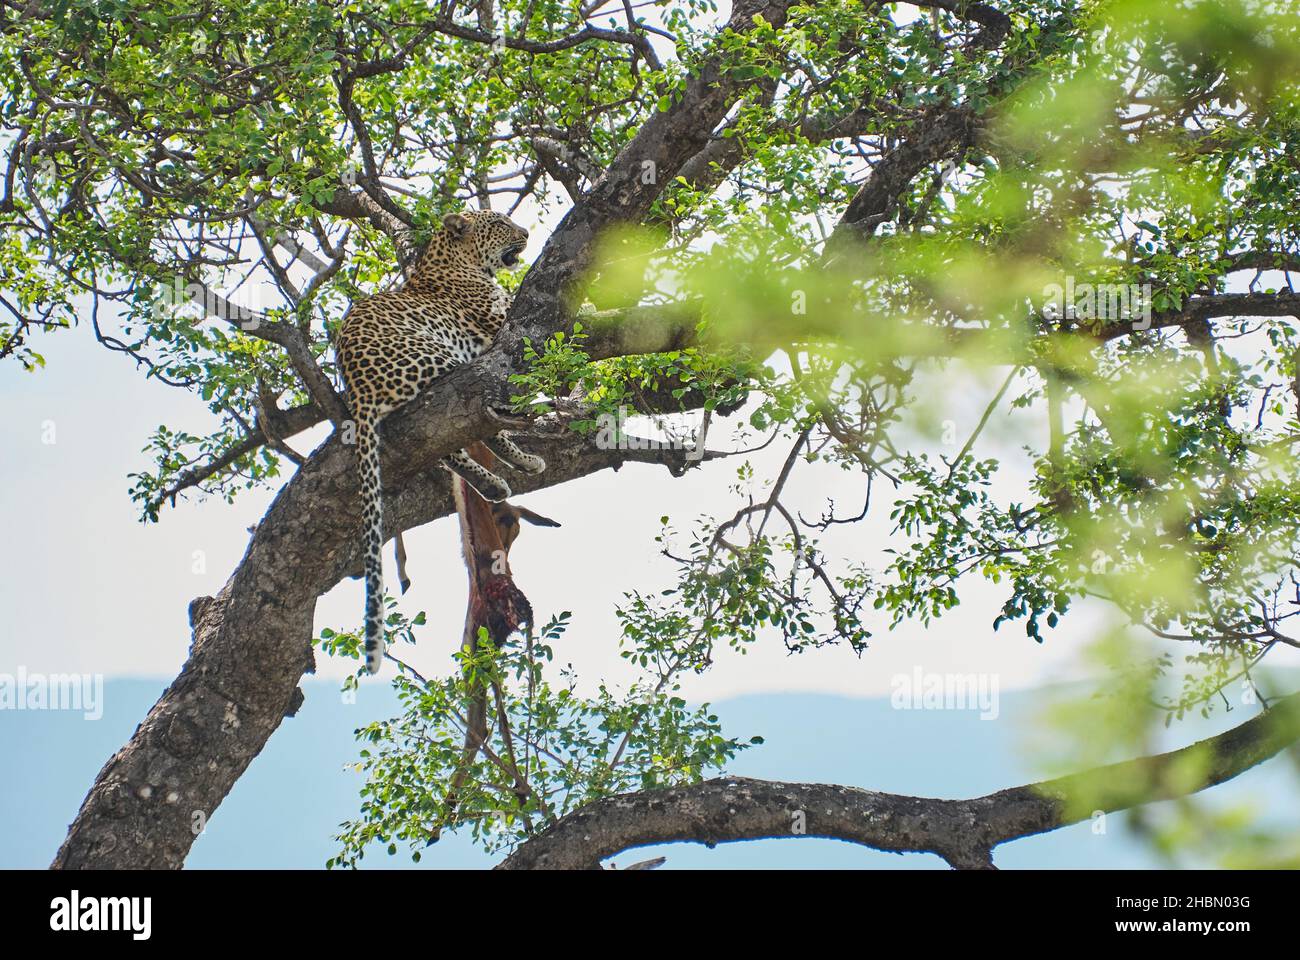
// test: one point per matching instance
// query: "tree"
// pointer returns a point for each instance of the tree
(794, 214)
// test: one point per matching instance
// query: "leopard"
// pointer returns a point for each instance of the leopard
(393, 344)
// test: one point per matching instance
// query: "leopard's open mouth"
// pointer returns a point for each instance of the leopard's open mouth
(510, 256)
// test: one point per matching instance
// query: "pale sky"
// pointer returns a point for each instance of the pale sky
(89, 589)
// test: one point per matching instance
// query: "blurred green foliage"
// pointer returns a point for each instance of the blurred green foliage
(1138, 144)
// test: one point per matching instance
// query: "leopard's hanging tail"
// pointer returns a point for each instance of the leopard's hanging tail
(372, 525)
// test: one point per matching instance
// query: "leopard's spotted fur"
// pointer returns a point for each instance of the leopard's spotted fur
(392, 345)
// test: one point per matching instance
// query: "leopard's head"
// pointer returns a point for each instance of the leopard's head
(492, 239)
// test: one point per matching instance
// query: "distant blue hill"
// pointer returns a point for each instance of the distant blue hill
(285, 810)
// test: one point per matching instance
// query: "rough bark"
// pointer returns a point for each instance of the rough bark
(251, 643)
(663, 145)
(963, 832)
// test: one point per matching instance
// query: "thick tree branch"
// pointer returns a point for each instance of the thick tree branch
(663, 327)
(963, 832)
(635, 178)
(251, 643)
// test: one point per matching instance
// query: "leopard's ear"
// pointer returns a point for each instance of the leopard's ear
(456, 224)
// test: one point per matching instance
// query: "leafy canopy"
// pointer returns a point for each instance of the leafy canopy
(901, 194)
